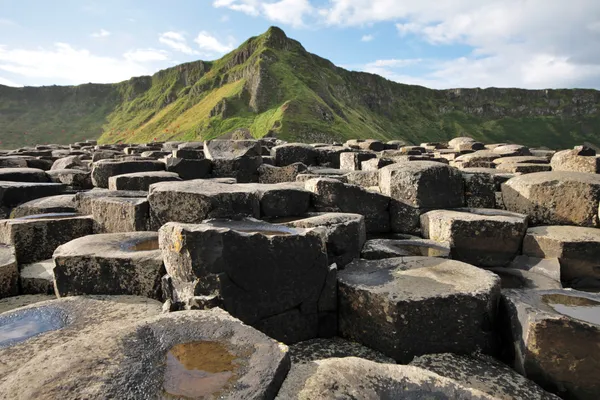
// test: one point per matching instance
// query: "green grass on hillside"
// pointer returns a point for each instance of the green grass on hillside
(270, 84)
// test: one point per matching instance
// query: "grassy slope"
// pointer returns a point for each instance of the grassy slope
(272, 85)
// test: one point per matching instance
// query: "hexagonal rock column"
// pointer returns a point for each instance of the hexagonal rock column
(74, 178)
(37, 278)
(577, 160)
(120, 214)
(112, 264)
(480, 236)
(352, 161)
(9, 272)
(102, 170)
(352, 377)
(577, 249)
(286, 292)
(281, 199)
(344, 234)
(271, 174)
(189, 169)
(484, 373)
(290, 153)
(555, 198)
(193, 354)
(197, 200)
(409, 306)
(330, 195)
(14, 193)
(140, 180)
(556, 335)
(46, 205)
(418, 186)
(480, 189)
(377, 249)
(23, 175)
(36, 237)
(83, 200)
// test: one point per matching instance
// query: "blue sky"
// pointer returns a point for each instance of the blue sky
(434, 43)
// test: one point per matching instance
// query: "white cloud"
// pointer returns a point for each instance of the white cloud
(146, 55)
(367, 38)
(531, 44)
(224, 18)
(289, 12)
(176, 41)
(66, 64)
(8, 82)
(211, 45)
(101, 33)
(250, 7)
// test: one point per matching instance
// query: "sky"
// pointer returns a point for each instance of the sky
(534, 44)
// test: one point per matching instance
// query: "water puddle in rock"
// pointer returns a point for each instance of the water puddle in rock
(141, 245)
(198, 369)
(576, 307)
(253, 226)
(17, 327)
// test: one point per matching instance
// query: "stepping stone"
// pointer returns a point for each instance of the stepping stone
(352, 161)
(23, 175)
(378, 249)
(13, 162)
(152, 357)
(9, 272)
(330, 195)
(576, 160)
(549, 267)
(189, 169)
(70, 162)
(512, 278)
(120, 214)
(290, 153)
(478, 236)
(14, 193)
(231, 149)
(243, 169)
(555, 335)
(376, 164)
(109, 264)
(188, 154)
(344, 234)
(272, 174)
(455, 142)
(335, 347)
(102, 170)
(577, 249)
(197, 200)
(365, 144)
(555, 198)
(483, 373)
(512, 150)
(478, 159)
(289, 294)
(521, 160)
(74, 178)
(423, 184)
(10, 303)
(523, 168)
(281, 199)
(46, 205)
(28, 332)
(409, 306)
(329, 156)
(140, 180)
(480, 189)
(363, 179)
(351, 378)
(37, 236)
(83, 200)
(37, 278)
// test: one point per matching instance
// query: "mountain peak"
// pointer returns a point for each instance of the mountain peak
(276, 38)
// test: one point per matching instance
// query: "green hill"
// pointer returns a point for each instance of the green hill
(271, 84)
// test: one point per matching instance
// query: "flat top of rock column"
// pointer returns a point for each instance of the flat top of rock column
(554, 177)
(566, 233)
(201, 186)
(478, 214)
(128, 245)
(251, 225)
(417, 278)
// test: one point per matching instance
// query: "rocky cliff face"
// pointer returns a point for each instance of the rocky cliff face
(272, 84)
